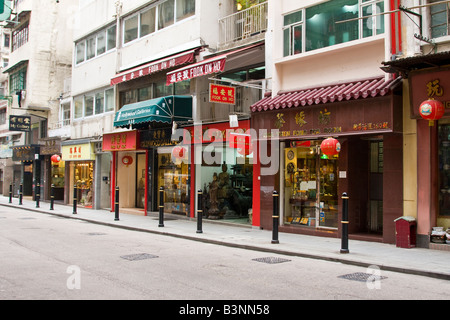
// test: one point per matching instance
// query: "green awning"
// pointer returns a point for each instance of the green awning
(161, 110)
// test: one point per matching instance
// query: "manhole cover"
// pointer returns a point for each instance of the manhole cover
(362, 277)
(271, 260)
(138, 256)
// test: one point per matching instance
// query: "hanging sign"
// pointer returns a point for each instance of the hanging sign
(19, 123)
(222, 94)
(197, 70)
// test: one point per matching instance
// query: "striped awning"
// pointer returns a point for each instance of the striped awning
(361, 89)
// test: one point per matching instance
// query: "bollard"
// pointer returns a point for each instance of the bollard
(161, 207)
(10, 193)
(344, 239)
(52, 196)
(75, 199)
(20, 194)
(275, 217)
(37, 194)
(116, 205)
(199, 211)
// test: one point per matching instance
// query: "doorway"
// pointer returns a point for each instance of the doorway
(140, 180)
(375, 189)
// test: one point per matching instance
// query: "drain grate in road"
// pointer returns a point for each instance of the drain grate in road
(362, 277)
(138, 256)
(271, 260)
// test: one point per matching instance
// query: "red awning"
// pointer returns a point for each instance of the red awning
(155, 66)
(340, 92)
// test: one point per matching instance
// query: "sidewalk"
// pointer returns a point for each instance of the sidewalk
(426, 262)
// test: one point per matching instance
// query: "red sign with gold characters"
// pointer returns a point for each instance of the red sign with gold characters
(222, 94)
(121, 141)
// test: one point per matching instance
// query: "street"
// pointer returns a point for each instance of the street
(49, 257)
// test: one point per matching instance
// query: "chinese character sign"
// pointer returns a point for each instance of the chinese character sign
(222, 94)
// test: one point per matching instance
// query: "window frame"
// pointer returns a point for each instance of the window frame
(84, 42)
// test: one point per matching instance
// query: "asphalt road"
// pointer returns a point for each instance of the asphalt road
(52, 258)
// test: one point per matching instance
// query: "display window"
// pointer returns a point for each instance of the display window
(57, 179)
(84, 174)
(173, 175)
(444, 170)
(226, 178)
(311, 185)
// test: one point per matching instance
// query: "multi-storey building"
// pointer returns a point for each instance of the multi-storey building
(325, 64)
(39, 60)
(141, 69)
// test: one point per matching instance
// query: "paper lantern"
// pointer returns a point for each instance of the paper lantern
(127, 160)
(431, 110)
(330, 147)
(55, 158)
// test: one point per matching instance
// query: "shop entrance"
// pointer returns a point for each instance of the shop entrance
(375, 190)
(140, 180)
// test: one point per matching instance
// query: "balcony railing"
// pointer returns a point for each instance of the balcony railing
(245, 24)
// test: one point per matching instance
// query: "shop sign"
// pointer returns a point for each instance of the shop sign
(78, 152)
(24, 153)
(121, 141)
(429, 86)
(216, 132)
(51, 147)
(196, 70)
(369, 116)
(20, 123)
(154, 67)
(222, 94)
(156, 138)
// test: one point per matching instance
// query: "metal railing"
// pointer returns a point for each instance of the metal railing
(243, 24)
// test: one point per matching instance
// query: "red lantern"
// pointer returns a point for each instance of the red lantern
(431, 110)
(178, 152)
(55, 158)
(330, 147)
(127, 160)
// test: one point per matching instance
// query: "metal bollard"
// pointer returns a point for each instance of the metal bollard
(116, 205)
(199, 211)
(37, 194)
(20, 194)
(161, 207)
(275, 216)
(75, 195)
(344, 239)
(52, 196)
(10, 193)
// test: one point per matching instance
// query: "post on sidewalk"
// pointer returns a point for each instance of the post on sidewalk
(161, 207)
(20, 194)
(344, 238)
(75, 195)
(37, 194)
(52, 196)
(10, 193)
(199, 210)
(275, 217)
(116, 205)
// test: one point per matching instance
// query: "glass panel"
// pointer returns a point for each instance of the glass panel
(99, 102)
(380, 18)
(78, 106)
(101, 42)
(328, 197)
(131, 29)
(183, 87)
(144, 94)
(287, 42)
(81, 47)
(148, 21)
(297, 39)
(89, 106)
(90, 48)
(109, 100)
(166, 14)
(185, 8)
(322, 29)
(111, 33)
(293, 18)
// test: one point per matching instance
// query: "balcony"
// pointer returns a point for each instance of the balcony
(243, 27)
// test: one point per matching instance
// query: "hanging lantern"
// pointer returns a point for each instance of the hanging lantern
(431, 110)
(330, 147)
(55, 158)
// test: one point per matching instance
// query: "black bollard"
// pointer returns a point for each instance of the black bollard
(199, 211)
(116, 205)
(161, 207)
(37, 194)
(20, 194)
(52, 196)
(10, 193)
(275, 217)
(75, 195)
(344, 239)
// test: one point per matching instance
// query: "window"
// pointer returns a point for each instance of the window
(78, 107)
(99, 102)
(19, 37)
(95, 45)
(440, 19)
(131, 29)
(6, 40)
(185, 9)
(18, 80)
(331, 23)
(148, 21)
(88, 106)
(109, 100)
(94, 103)
(65, 114)
(166, 14)
(3, 116)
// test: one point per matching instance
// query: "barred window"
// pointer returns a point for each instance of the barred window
(17, 80)
(19, 37)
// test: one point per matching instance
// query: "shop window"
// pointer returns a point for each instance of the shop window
(444, 170)
(310, 182)
(57, 179)
(84, 174)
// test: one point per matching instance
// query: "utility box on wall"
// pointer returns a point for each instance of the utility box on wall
(405, 232)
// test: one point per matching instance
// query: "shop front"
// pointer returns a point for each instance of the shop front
(28, 173)
(53, 169)
(79, 159)
(366, 125)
